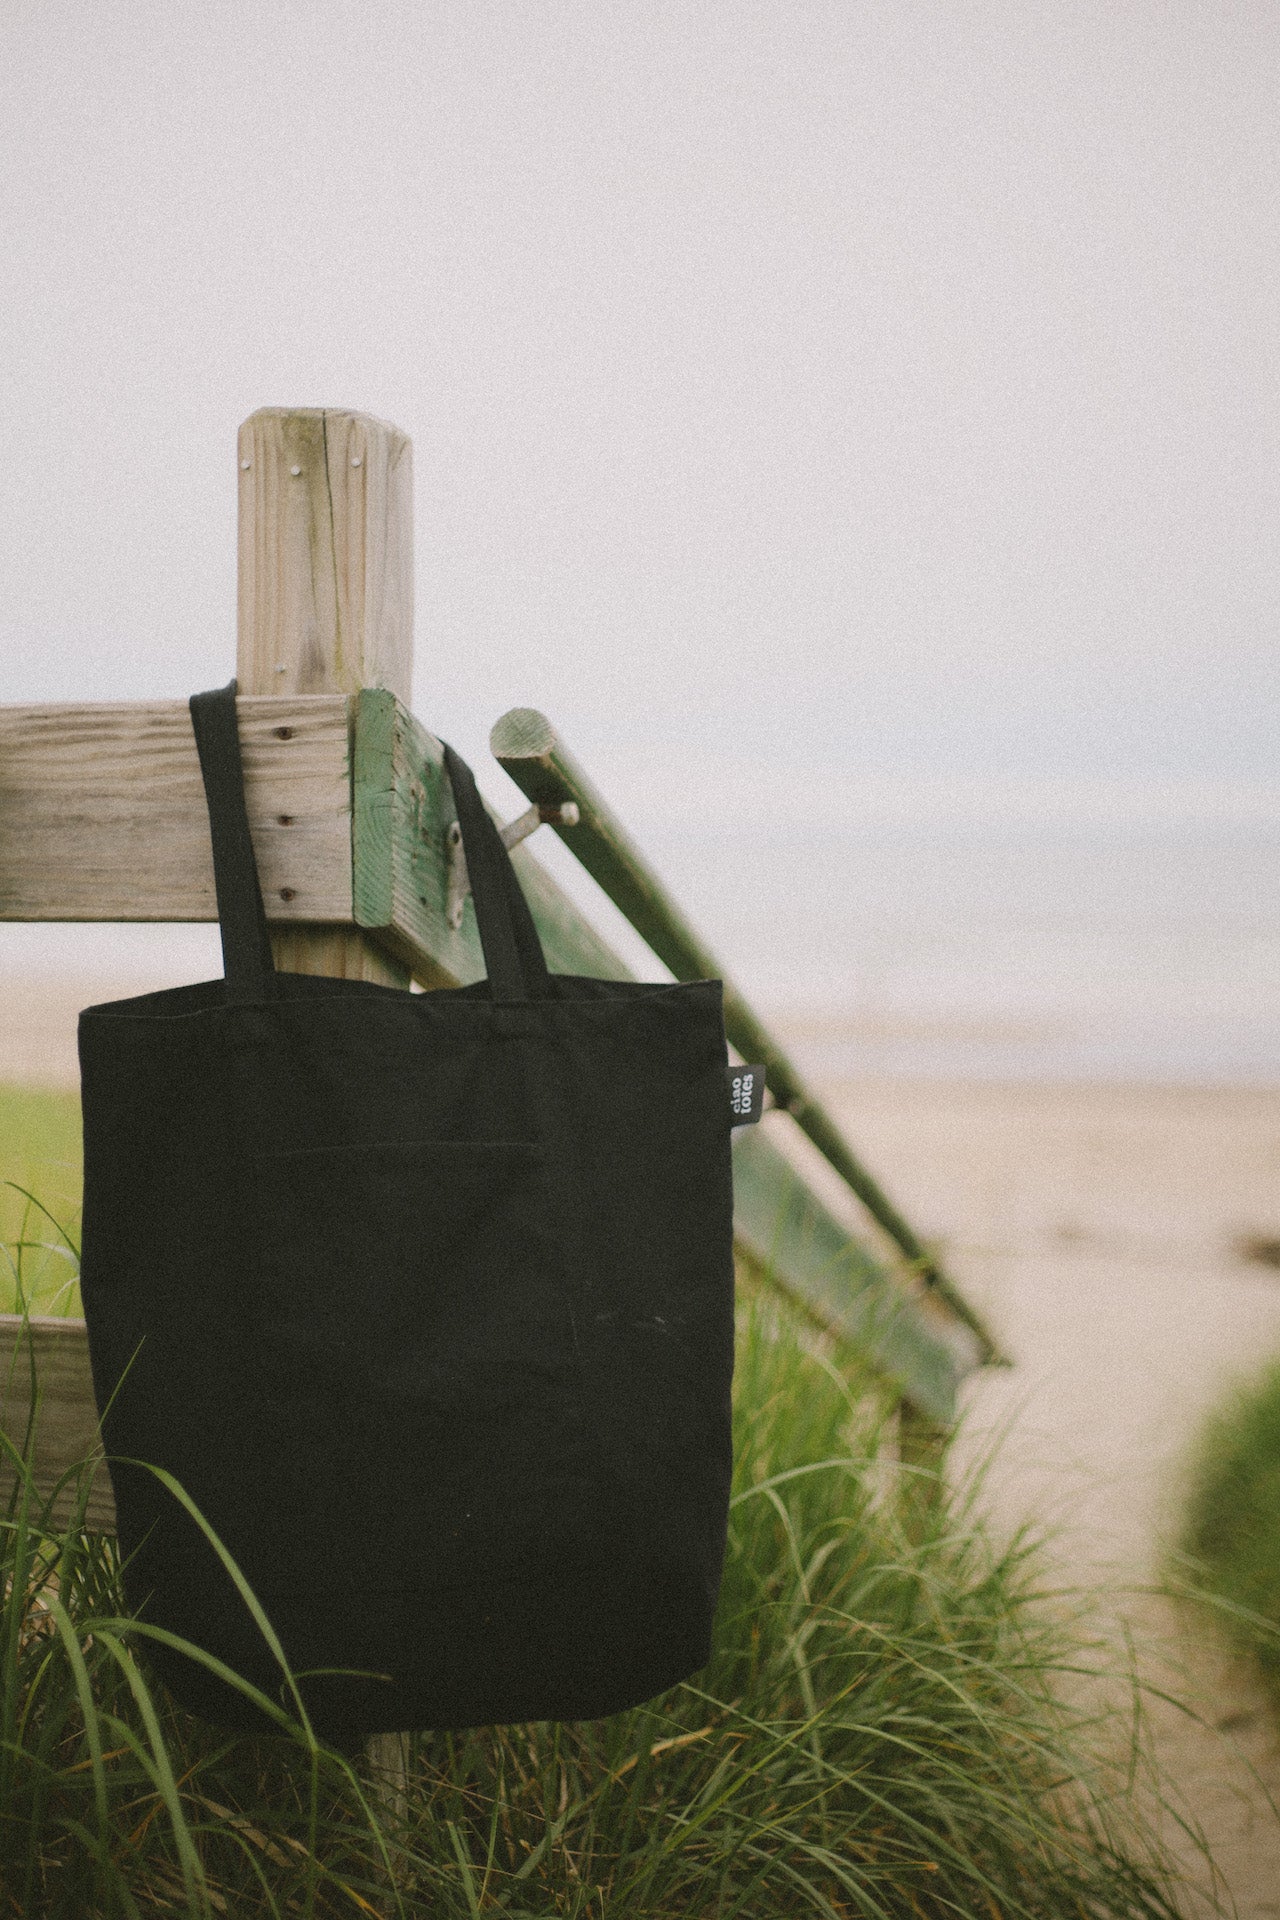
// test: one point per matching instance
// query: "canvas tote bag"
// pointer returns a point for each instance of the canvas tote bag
(426, 1302)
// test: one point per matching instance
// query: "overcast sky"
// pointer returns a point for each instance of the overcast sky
(810, 400)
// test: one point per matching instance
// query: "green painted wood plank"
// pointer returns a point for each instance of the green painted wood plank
(401, 812)
(402, 809)
(526, 746)
(792, 1238)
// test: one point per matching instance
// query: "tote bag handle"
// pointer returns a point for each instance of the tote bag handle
(513, 955)
(246, 945)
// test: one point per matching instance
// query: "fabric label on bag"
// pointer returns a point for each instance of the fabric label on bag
(746, 1094)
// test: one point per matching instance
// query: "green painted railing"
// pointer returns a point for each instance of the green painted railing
(905, 1314)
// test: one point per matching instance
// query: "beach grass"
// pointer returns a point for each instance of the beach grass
(1230, 1537)
(882, 1731)
(899, 1722)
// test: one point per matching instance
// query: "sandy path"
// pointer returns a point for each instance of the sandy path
(1098, 1228)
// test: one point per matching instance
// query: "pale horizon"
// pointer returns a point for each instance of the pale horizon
(845, 423)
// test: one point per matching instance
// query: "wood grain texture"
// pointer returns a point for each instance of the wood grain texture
(326, 597)
(102, 811)
(526, 746)
(326, 606)
(52, 1357)
(326, 553)
(402, 811)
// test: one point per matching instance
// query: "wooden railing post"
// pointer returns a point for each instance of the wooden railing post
(325, 594)
(922, 1451)
(326, 606)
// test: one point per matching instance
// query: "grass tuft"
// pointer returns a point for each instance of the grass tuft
(40, 1188)
(1230, 1537)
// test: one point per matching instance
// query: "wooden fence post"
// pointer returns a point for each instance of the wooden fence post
(325, 594)
(922, 1452)
(326, 606)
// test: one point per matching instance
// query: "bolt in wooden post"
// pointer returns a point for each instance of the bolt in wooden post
(326, 594)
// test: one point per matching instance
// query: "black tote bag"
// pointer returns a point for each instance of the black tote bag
(426, 1302)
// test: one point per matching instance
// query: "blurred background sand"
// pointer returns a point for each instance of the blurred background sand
(1101, 1228)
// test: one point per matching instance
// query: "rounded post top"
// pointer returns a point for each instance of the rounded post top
(330, 415)
(326, 553)
(522, 734)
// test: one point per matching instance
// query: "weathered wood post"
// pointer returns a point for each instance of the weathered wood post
(922, 1452)
(325, 594)
(326, 606)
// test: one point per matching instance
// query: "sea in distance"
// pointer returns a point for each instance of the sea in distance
(1141, 952)
(1130, 950)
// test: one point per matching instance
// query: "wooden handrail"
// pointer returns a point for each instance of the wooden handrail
(526, 746)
